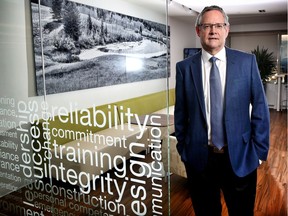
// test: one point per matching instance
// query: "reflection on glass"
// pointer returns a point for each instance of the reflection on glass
(133, 64)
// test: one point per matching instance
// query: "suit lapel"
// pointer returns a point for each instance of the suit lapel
(231, 74)
(196, 71)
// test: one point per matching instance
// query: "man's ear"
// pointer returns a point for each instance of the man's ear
(198, 30)
(227, 31)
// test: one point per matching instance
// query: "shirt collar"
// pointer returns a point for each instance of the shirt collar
(221, 55)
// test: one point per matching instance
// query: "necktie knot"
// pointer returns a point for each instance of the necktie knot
(213, 59)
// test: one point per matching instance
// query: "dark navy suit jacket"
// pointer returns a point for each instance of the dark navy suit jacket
(247, 134)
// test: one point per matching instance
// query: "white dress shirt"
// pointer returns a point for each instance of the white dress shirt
(206, 67)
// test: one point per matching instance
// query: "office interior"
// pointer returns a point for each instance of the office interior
(112, 192)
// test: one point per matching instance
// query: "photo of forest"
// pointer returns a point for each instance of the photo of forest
(83, 47)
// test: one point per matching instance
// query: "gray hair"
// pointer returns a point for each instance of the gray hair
(210, 8)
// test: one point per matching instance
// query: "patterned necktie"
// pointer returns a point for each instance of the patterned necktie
(216, 103)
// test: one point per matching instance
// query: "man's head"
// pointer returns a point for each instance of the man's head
(212, 26)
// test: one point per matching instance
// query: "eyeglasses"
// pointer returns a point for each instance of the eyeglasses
(218, 26)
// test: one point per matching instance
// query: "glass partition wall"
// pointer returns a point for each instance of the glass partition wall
(84, 108)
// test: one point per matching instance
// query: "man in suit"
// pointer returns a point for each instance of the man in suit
(225, 160)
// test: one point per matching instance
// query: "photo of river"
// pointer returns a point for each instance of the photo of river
(83, 47)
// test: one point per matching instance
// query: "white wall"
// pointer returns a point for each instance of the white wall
(13, 56)
(182, 36)
(247, 37)
(249, 41)
(256, 27)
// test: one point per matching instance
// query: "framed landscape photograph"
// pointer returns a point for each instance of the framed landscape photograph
(81, 47)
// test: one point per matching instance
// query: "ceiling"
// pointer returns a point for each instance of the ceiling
(239, 11)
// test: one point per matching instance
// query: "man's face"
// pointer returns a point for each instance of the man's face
(213, 31)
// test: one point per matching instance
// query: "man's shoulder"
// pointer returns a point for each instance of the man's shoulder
(189, 60)
(231, 51)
